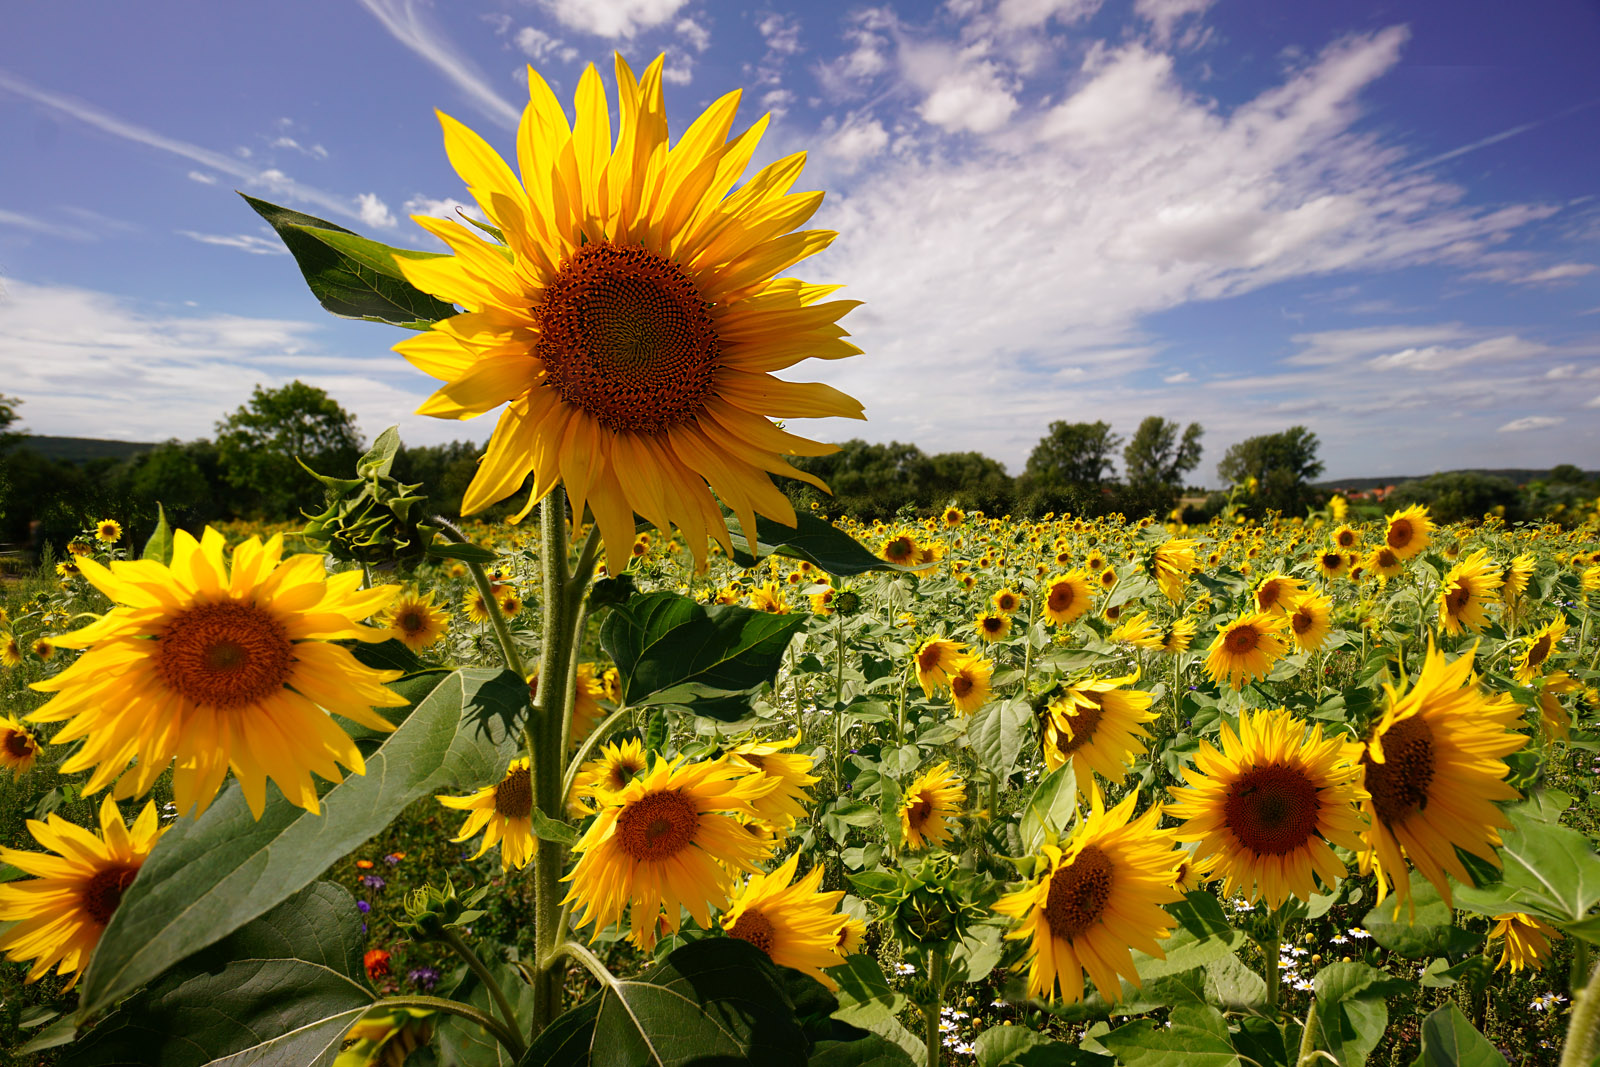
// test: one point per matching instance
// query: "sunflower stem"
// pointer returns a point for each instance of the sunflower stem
(476, 965)
(497, 618)
(1309, 1035)
(930, 1010)
(586, 746)
(838, 698)
(1271, 949)
(1583, 1029)
(1027, 642)
(509, 1038)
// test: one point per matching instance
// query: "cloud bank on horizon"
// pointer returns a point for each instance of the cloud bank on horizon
(1053, 209)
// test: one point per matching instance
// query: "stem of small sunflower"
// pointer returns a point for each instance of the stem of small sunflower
(930, 1009)
(476, 965)
(838, 698)
(1583, 1029)
(1027, 642)
(1309, 1036)
(1271, 949)
(509, 1038)
(502, 632)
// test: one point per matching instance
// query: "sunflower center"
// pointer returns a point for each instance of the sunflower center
(1346, 538)
(1458, 597)
(1061, 597)
(412, 621)
(1303, 621)
(918, 813)
(1332, 560)
(1400, 535)
(1267, 596)
(1082, 721)
(1079, 893)
(1240, 640)
(960, 685)
(1387, 558)
(1272, 809)
(625, 336)
(18, 744)
(993, 625)
(225, 655)
(928, 659)
(899, 548)
(1399, 785)
(513, 797)
(1539, 651)
(755, 928)
(104, 891)
(621, 773)
(657, 825)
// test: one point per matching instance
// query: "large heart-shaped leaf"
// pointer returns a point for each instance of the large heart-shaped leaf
(1426, 932)
(463, 1042)
(997, 734)
(1550, 866)
(663, 641)
(714, 1001)
(285, 988)
(1450, 1040)
(350, 275)
(209, 876)
(812, 539)
(1196, 1036)
(1350, 1012)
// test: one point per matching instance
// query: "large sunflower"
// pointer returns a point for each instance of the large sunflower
(19, 748)
(1266, 809)
(1099, 895)
(1540, 645)
(1408, 532)
(1139, 631)
(1277, 593)
(618, 763)
(1434, 767)
(969, 683)
(1172, 563)
(1468, 589)
(62, 911)
(1245, 649)
(929, 805)
(670, 837)
(785, 805)
(1068, 596)
(1095, 725)
(795, 925)
(212, 667)
(504, 813)
(935, 659)
(1310, 621)
(633, 318)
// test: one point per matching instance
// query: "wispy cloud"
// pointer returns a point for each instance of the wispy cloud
(1532, 422)
(612, 18)
(118, 127)
(44, 227)
(258, 246)
(406, 22)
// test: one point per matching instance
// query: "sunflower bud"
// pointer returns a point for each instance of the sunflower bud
(369, 518)
(846, 602)
(429, 910)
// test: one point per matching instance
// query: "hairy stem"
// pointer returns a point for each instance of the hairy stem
(509, 1038)
(471, 959)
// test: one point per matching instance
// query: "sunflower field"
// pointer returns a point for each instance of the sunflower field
(662, 777)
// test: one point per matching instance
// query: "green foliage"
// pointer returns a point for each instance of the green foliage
(260, 443)
(1156, 457)
(1459, 495)
(373, 517)
(1279, 465)
(1073, 453)
(1450, 1040)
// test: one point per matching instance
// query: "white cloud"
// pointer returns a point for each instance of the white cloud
(407, 24)
(777, 101)
(374, 212)
(856, 141)
(1500, 350)
(1532, 422)
(447, 208)
(612, 18)
(962, 90)
(316, 151)
(540, 46)
(782, 33)
(1517, 268)
(1032, 14)
(1180, 377)
(44, 227)
(697, 36)
(202, 177)
(1595, 403)
(1164, 15)
(679, 67)
(245, 242)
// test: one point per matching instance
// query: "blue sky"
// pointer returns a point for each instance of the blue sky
(1376, 219)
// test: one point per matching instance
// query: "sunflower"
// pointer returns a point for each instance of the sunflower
(618, 763)
(1345, 538)
(671, 837)
(108, 531)
(1173, 562)
(1277, 593)
(1069, 596)
(1408, 532)
(1331, 563)
(785, 805)
(211, 668)
(953, 516)
(1095, 562)
(478, 608)
(1514, 580)
(10, 651)
(413, 619)
(928, 552)
(504, 813)
(1385, 563)
(19, 746)
(60, 914)
(992, 625)
(632, 319)
(1107, 579)
(1006, 601)
(1310, 621)
(1095, 726)
(795, 925)
(44, 648)
(1467, 590)
(1527, 941)
(386, 1039)
(1554, 718)
(1268, 806)
(1139, 631)
(969, 683)
(1434, 769)
(851, 935)
(1540, 645)
(1245, 649)
(935, 658)
(768, 597)
(929, 807)
(1099, 895)
(1177, 637)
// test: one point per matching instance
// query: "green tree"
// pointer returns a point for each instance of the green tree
(1282, 465)
(1157, 457)
(1073, 453)
(259, 443)
(8, 417)
(1566, 474)
(1452, 496)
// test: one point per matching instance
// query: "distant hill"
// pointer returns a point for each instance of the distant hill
(83, 449)
(1517, 475)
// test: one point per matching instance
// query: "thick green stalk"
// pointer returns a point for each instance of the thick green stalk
(1309, 1036)
(1583, 1029)
(838, 697)
(930, 1010)
(1272, 948)
(509, 1038)
(470, 958)
(502, 632)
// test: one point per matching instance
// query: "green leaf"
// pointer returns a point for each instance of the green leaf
(1450, 1040)
(159, 547)
(463, 552)
(209, 876)
(1198, 1037)
(997, 734)
(1017, 1046)
(812, 539)
(1550, 866)
(1426, 932)
(1350, 1011)
(547, 829)
(1050, 807)
(350, 275)
(867, 1000)
(379, 459)
(719, 1000)
(466, 1044)
(660, 641)
(285, 988)
(869, 1051)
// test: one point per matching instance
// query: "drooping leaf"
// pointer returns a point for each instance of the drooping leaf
(812, 539)
(465, 1043)
(1429, 931)
(209, 876)
(463, 552)
(159, 546)
(867, 1000)
(997, 734)
(1450, 1040)
(1198, 1037)
(350, 275)
(1350, 1011)
(1050, 807)
(284, 988)
(664, 642)
(719, 1000)
(1018, 1046)
(869, 1051)
(1550, 865)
